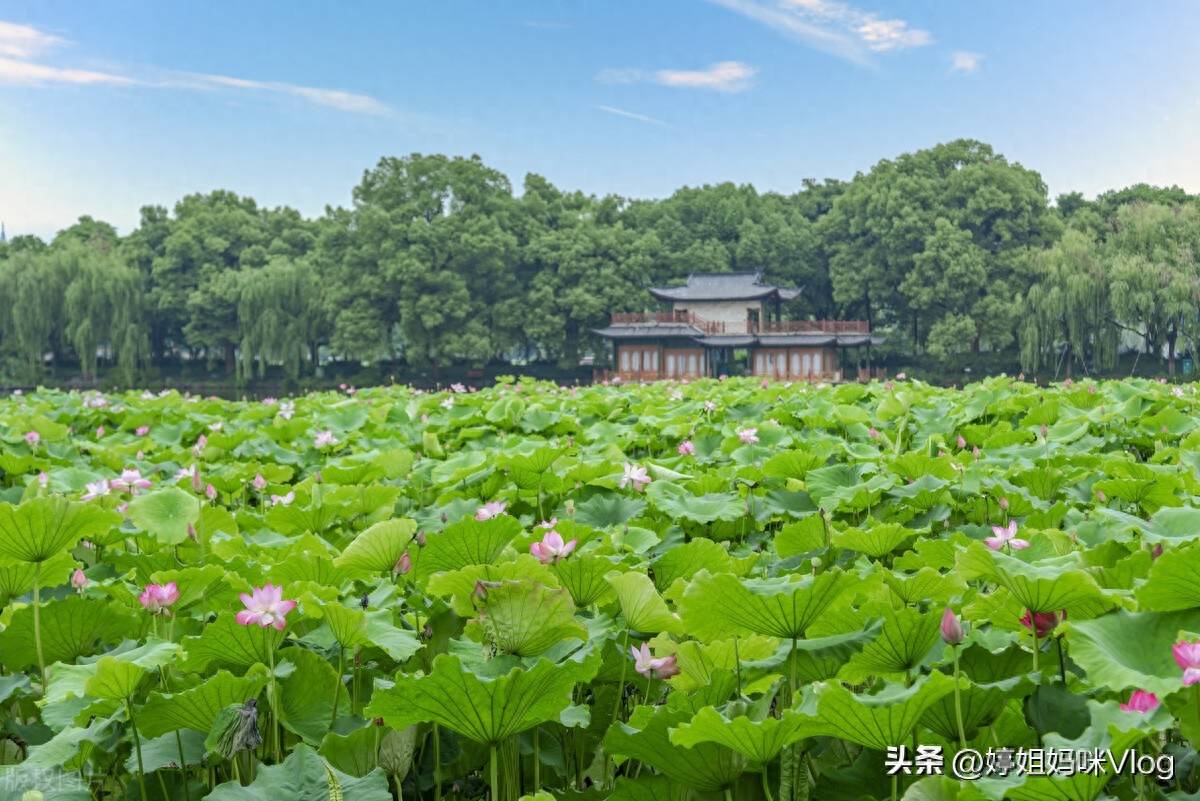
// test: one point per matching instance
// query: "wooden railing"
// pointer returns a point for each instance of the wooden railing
(768, 327)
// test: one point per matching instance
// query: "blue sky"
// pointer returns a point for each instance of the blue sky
(105, 107)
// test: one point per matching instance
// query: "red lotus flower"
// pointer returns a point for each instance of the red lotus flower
(1043, 621)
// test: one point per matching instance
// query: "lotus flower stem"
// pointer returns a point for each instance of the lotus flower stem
(337, 687)
(494, 773)
(187, 793)
(537, 762)
(137, 747)
(37, 626)
(275, 706)
(962, 735)
(766, 784)
(1062, 662)
(1033, 628)
(437, 762)
(621, 681)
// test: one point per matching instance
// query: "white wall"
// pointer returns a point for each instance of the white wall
(731, 312)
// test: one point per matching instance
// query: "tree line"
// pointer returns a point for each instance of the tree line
(948, 251)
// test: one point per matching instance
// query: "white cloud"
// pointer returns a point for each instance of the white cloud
(834, 27)
(723, 76)
(26, 73)
(620, 112)
(25, 41)
(965, 61)
(20, 42)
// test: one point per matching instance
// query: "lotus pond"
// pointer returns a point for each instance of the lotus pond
(715, 590)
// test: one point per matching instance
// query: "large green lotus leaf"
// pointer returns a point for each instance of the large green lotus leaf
(981, 703)
(923, 493)
(1174, 581)
(396, 751)
(166, 514)
(699, 663)
(17, 578)
(38, 772)
(526, 619)
(875, 721)
(306, 694)
(114, 680)
(675, 501)
(41, 528)
(583, 576)
(227, 643)
(353, 753)
(926, 584)
(1123, 650)
(195, 583)
(348, 625)
(467, 542)
(72, 681)
(305, 776)
(721, 605)
(805, 535)
(482, 708)
(71, 627)
(757, 740)
(641, 605)
(905, 640)
(297, 519)
(646, 737)
(1047, 586)
(1111, 730)
(608, 509)
(877, 541)
(793, 463)
(1173, 525)
(379, 548)
(842, 486)
(163, 752)
(686, 560)
(459, 585)
(647, 788)
(197, 707)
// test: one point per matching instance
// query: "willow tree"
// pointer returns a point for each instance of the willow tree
(103, 300)
(1068, 314)
(281, 317)
(1156, 274)
(32, 321)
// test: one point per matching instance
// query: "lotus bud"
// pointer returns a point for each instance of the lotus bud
(197, 481)
(952, 630)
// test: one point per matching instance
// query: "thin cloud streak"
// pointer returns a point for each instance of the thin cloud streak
(23, 41)
(620, 112)
(832, 27)
(724, 76)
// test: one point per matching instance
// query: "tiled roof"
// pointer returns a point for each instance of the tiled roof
(723, 286)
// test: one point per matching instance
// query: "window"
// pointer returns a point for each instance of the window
(692, 364)
(637, 361)
(759, 362)
(807, 369)
(670, 365)
(624, 360)
(817, 363)
(795, 363)
(653, 360)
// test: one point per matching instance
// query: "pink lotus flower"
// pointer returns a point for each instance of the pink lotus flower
(33, 438)
(217, 426)
(157, 598)
(259, 483)
(552, 548)
(283, 500)
(976, 452)
(324, 438)
(873, 432)
(43, 479)
(99, 432)
(1004, 503)
(901, 376)
(1140, 701)
(403, 564)
(709, 406)
(635, 475)
(286, 409)
(652, 667)
(748, 435)
(142, 431)
(548, 524)
(1006, 535)
(265, 607)
(686, 448)
(130, 481)
(961, 442)
(457, 388)
(269, 401)
(1187, 656)
(952, 630)
(1043, 621)
(1157, 551)
(490, 509)
(210, 492)
(201, 444)
(189, 473)
(78, 580)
